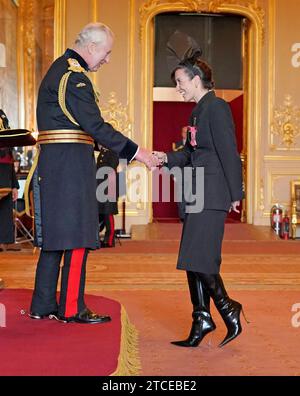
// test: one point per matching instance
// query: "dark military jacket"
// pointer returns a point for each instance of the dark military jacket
(66, 213)
(179, 146)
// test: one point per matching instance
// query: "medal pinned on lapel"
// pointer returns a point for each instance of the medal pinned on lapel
(191, 134)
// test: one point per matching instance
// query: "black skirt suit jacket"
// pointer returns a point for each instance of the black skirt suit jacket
(216, 152)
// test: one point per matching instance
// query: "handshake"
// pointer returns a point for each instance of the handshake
(152, 159)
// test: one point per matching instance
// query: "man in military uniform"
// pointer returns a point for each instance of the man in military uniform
(64, 182)
(179, 146)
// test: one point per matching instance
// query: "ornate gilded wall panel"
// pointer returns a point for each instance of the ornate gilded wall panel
(59, 27)
(285, 128)
(150, 8)
(117, 115)
(279, 171)
(8, 61)
(255, 40)
(279, 181)
(36, 45)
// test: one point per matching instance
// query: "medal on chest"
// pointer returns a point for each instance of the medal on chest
(192, 132)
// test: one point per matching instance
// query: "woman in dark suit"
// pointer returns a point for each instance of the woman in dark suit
(211, 145)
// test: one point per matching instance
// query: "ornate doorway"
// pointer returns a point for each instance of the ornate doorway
(253, 52)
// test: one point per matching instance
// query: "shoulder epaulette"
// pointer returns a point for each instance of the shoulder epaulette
(75, 66)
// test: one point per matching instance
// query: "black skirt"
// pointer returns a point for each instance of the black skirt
(201, 242)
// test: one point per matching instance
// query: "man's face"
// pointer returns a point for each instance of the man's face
(99, 54)
(184, 133)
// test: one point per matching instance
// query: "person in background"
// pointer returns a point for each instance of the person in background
(8, 180)
(109, 207)
(179, 146)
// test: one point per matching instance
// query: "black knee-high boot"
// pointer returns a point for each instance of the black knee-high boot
(202, 320)
(229, 309)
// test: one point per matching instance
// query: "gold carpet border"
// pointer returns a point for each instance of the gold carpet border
(129, 363)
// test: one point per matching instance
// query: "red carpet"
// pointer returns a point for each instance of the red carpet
(47, 347)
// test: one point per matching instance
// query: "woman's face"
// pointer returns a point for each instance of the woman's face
(185, 86)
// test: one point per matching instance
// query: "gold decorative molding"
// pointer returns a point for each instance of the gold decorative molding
(59, 27)
(286, 125)
(294, 219)
(262, 196)
(131, 61)
(244, 175)
(276, 158)
(253, 83)
(271, 61)
(279, 179)
(274, 179)
(27, 14)
(35, 53)
(117, 115)
(94, 10)
(154, 7)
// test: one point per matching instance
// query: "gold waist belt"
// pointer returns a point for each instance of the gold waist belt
(54, 136)
(64, 136)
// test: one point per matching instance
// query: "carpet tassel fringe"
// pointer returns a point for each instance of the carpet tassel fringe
(129, 361)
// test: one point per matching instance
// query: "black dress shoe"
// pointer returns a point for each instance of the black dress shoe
(85, 316)
(38, 316)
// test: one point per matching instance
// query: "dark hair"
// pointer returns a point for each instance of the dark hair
(195, 66)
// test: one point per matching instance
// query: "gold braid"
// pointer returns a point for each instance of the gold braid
(74, 66)
(62, 96)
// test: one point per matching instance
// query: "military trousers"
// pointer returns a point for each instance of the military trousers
(71, 300)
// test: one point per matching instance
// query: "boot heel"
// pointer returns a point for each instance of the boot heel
(247, 321)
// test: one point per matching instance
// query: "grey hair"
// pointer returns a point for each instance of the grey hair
(93, 33)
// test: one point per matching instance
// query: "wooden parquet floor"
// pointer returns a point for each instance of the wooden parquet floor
(253, 258)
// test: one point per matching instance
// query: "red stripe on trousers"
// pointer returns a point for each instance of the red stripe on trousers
(74, 282)
(112, 230)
